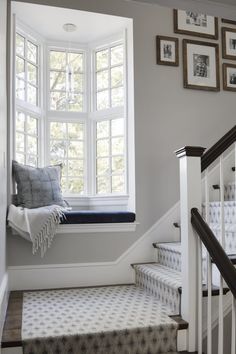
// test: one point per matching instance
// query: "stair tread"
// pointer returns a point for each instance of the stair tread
(162, 273)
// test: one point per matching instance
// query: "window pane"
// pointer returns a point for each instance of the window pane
(32, 145)
(102, 166)
(20, 121)
(102, 100)
(75, 60)
(20, 142)
(102, 59)
(58, 130)
(20, 158)
(57, 60)
(75, 168)
(20, 89)
(20, 67)
(117, 127)
(57, 80)
(20, 45)
(117, 76)
(31, 126)
(117, 97)
(75, 149)
(58, 101)
(75, 131)
(58, 148)
(103, 147)
(32, 161)
(78, 82)
(76, 185)
(103, 185)
(102, 80)
(118, 184)
(32, 74)
(32, 52)
(117, 55)
(77, 103)
(102, 129)
(117, 146)
(32, 94)
(118, 164)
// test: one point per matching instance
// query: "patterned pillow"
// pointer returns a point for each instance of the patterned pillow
(37, 187)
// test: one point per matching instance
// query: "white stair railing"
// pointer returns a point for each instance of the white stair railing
(192, 164)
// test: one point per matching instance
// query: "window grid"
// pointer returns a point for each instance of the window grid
(24, 81)
(26, 155)
(67, 160)
(80, 93)
(109, 174)
(109, 68)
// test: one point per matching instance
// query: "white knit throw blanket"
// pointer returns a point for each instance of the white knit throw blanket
(36, 225)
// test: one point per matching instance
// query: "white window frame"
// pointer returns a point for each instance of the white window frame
(23, 106)
(124, 201)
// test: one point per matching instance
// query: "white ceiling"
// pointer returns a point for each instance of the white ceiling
(48, 22)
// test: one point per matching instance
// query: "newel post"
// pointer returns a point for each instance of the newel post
(190, 196)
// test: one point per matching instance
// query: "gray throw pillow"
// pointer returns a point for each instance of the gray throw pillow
(37, 187)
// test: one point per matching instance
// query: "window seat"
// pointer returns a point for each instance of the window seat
(97, 217)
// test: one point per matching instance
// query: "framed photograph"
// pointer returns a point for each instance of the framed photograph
(230, 22)
(195, 24)
(201, 65)
(167, 50)
(229, 77)
(229, 43)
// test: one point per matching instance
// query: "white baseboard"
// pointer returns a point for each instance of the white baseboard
(3, 301)
(91, 274)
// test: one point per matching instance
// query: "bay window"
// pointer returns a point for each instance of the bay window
(70, 108)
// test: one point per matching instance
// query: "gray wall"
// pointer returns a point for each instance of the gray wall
(167, 116)
(3, 118)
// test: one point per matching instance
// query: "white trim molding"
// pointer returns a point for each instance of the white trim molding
(100, 273)
(90, 228)
(3, 301)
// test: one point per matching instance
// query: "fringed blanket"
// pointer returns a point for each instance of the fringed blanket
(36, 225)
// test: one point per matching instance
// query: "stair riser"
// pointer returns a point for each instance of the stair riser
(229, 193)
(166, 294)
(215, 212)
(169, 258)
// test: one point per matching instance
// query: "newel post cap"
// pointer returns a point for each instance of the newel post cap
(195, 151)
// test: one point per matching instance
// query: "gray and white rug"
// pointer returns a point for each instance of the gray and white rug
(105, 320)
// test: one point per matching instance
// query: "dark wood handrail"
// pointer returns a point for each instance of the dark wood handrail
(215, 250)
(219, 148)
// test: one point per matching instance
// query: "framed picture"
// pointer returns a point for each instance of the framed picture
(201, 65)
(167, 50)
(231, 22)
(195, 24)
(229, 77)
(229, 43)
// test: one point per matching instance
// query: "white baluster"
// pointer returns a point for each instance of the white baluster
(209, 273)
(233, 340)
(199, 296)
(222, 241)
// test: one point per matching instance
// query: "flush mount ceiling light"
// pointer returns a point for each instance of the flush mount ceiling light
(69, 27)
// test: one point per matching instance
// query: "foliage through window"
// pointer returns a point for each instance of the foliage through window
(109, 64)
(66, 81)
(65, 125)
(27, 70)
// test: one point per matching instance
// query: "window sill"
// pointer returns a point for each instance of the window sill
(94, 228)
(113, 202)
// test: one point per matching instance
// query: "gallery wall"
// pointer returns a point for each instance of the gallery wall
(167, 116)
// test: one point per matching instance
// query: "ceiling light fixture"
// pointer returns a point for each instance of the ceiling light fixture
(70, 97)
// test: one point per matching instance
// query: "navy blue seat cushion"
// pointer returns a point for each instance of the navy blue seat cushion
(97, 217)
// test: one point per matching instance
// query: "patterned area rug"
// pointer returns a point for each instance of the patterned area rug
(105, 320)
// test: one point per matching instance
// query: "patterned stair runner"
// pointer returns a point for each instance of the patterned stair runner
(162, 282)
